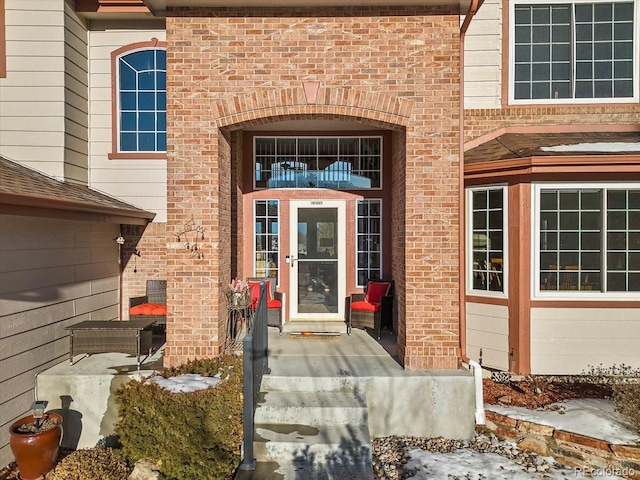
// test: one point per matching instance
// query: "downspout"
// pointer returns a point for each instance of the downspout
(477, 368)
(473, 8)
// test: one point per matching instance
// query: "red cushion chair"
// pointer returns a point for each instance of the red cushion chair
(274, 300)
(153, 305)
(373, 307)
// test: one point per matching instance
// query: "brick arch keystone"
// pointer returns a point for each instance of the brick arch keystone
(312, 99)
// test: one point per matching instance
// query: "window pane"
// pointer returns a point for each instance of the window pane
(480, 199)
(616, 220)
(590, 240)
(146, 142)
(147, 122)
(127, 77)
(634, 282)
(616, 282)
(479, 220)
(569, 220)
(147, 81)
(634, 261)
(128, 121)
(162, 142)
(128, 142)
(487, 257)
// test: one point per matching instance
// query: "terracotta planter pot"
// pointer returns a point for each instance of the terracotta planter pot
(35, 453)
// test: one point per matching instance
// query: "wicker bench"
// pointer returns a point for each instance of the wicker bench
(156, 293)
(132, 337)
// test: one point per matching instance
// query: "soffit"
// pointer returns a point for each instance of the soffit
(23, 187)
(158, 7)
(523, 145)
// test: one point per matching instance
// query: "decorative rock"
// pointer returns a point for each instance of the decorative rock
(145, 470)
(533, 445)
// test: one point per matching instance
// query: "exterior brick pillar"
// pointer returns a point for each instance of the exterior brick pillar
(199, 210)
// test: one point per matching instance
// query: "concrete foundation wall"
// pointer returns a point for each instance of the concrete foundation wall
(445, 407)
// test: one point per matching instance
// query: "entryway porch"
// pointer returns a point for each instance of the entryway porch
(339, 391)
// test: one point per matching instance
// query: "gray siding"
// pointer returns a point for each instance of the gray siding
(54, 273)
(43, 99)
(76, 99)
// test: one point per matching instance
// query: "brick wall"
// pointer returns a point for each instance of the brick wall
(481, 121)
(388, 67)
(149, 263)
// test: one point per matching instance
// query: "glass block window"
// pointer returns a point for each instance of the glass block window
(574, 50)
(142, 101)
(267, 239)
(342, 163)
(368, 240)
(487, 218)
(589, 239)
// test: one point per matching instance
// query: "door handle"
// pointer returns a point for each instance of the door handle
(292, 260)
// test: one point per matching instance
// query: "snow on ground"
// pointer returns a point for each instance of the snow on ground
(189, 382)
(592, 417)
(469, 465)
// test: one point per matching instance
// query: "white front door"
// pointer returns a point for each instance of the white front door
(317, 262)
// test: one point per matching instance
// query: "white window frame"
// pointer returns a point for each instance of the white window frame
(255, 233)
(511, 52)
(582, 295)
(469, 241)
(357, 251)
(294, 158)
(119, 107)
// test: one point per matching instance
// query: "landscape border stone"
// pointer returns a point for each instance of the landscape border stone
(571, 449)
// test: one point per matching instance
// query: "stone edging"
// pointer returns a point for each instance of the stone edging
(571, 449)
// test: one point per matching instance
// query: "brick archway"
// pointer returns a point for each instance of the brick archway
(312, 100)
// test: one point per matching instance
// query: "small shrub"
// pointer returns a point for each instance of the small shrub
(91, 464)
(192, 436)
(626, 398)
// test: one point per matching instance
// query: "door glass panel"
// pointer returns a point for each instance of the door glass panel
(317, 260)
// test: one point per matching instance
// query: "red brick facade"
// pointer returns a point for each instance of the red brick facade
(479, 122)
(144, 257)
(389, 68)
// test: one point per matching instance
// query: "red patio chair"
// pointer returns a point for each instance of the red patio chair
(373, 307)
(274, 300)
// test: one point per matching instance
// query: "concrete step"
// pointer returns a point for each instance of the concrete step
(313, 427)
(313, 408)
(315, 326)
(304, 443)
(274, 383)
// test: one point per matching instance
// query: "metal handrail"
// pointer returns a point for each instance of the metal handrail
(255, 364)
